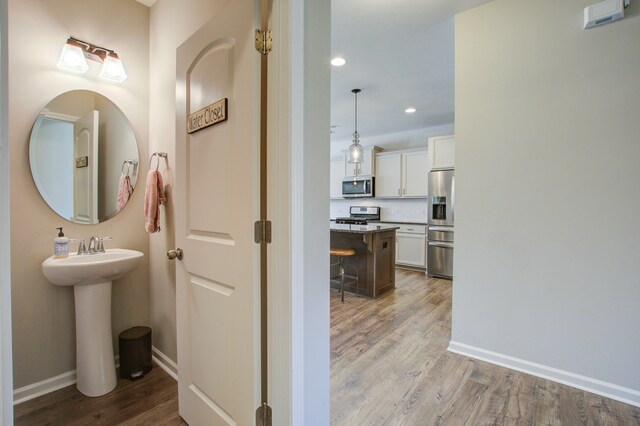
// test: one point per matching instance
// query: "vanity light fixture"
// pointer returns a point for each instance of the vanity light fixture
(72, 58)
(112, 68)
(355, 149)
(76, 52)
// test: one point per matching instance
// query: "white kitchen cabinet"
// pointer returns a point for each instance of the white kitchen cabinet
(415, 174)
(402, 174)
(388, 181)
(367, 167)
(442, 152)
(411, 245)
(336, 173)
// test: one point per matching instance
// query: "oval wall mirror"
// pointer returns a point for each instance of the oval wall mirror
(84, 157)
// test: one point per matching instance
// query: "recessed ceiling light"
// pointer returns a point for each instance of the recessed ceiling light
(410, 110)
(338, 62)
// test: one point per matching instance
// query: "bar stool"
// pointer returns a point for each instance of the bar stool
(342, 253)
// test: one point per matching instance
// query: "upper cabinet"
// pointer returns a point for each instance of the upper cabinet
(367, 167)
(388, 181)
(402, 174)
(442, 152)
(337, 173)
(415, 174)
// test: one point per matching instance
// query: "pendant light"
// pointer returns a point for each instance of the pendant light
(355, 149)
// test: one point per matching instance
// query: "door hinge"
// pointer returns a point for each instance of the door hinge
(264, 41)
(262, 231)
(263, 415)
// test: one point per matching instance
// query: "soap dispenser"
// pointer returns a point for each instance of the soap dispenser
(60, 245)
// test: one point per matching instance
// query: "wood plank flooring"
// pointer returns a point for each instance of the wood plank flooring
(390, 366)
(152, 400)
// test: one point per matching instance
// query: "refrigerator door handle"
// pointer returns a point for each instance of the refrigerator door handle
(441, 228)
(440, 244)
(453, 199)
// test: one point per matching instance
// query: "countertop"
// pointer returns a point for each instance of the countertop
(400, 222)
(361, 229)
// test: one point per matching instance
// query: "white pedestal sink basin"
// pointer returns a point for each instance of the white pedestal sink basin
(91, 276)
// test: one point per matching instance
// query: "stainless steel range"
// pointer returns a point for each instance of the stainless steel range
(360, 215)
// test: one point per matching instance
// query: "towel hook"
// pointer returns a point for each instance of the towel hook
(157, 154)
(125, 162)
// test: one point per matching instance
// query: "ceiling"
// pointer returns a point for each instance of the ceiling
(401, 54)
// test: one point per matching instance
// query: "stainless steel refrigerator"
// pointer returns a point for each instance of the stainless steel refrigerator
(442, 193)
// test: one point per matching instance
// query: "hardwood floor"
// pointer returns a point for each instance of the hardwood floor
(152, 400)
(390, 366)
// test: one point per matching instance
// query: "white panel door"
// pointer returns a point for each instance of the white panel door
(388, 183)
(217, 202)
(415, 172)
(85, 178)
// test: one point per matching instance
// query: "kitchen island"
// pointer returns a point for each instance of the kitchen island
(375, 247)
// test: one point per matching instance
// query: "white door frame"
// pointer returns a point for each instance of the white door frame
(298, 185)
(308, 119)
(6, 373)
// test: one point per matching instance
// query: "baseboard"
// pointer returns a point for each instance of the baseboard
(598, 387)
(43, 387)
(165, 362)
(46, 386)
(35, 390)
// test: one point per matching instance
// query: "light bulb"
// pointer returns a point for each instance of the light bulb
(72, 59)
(112, 69)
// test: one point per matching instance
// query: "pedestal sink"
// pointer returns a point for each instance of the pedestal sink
(91, 276)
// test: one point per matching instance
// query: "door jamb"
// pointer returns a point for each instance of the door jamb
(6, 374)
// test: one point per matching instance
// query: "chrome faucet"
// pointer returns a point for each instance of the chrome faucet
(82, 249)
(94, 239)
(96, 245)
(100, 244)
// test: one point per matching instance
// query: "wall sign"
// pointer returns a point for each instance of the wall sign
(208, 116)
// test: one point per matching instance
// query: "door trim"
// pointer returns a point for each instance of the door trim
(264, 301)
(6, 374)
(309, 188)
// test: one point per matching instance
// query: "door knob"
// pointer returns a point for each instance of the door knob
(177, 253)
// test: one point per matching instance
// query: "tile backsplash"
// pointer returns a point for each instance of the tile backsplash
(402, 210)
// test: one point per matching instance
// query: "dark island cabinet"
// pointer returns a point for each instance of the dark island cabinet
(375, 247)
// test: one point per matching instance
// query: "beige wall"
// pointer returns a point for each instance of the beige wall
(171, 24)
(548, 177)
(43, 315)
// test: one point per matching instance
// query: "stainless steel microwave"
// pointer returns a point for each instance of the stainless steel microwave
(358, 187)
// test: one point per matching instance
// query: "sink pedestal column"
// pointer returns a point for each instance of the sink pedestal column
(95, 366)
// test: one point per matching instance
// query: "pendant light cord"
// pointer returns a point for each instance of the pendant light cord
(356, 112)
(355, 92)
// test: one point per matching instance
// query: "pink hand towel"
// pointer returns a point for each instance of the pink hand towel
(125, 189)
(153, 197)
